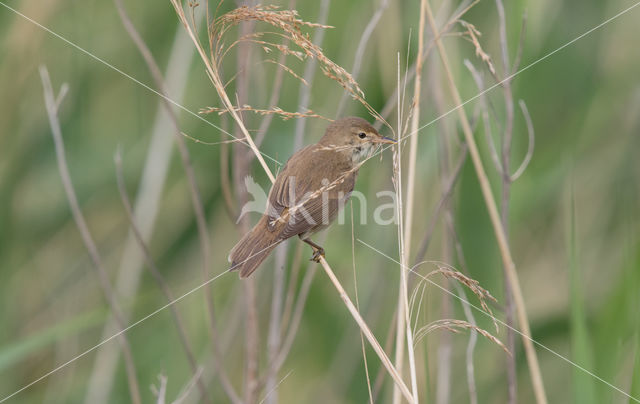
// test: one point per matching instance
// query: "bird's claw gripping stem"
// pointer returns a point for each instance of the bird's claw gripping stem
(317, 253)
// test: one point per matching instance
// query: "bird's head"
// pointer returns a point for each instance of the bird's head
(353, 137)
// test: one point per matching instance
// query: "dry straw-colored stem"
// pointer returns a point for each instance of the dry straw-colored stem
(386, 362)
(214, 76)
(507, 260)
(404, 323)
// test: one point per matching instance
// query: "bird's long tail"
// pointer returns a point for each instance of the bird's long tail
(252, 249)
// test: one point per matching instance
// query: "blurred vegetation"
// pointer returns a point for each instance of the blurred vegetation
(574, 222)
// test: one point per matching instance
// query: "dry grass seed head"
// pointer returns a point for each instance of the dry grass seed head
(285, 115)
(473, 34)
(456, 326)
(473, 285)
(291, 25)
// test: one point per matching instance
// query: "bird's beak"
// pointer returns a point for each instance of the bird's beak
(385, 140)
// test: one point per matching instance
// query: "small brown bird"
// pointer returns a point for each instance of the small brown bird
(309, 191)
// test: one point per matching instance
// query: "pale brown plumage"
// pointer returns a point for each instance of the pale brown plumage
(308, 192)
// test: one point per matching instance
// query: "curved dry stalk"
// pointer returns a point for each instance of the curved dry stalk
(488, 133)
(505, 252)
(530, 146)
(506, 191)
(364, 40)
(518, 58)
(52, 103)
(415, 304)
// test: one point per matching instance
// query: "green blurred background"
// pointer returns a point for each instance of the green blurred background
(573, 223)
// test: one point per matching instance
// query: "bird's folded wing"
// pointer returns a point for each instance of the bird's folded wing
(296, 198)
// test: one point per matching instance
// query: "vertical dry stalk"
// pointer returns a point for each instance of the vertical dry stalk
(507, 180)
(445, 343)
(406, 222)
(413, 150)
(386, 362)
(512, 276)
(52, 102)
(401, 316)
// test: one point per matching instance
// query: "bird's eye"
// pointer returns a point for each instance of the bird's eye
(362, 135)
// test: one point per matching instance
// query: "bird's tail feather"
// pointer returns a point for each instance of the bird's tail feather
(252, 249)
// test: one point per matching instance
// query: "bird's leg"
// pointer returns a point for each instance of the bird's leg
(317, 250)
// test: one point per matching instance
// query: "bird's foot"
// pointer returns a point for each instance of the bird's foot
(317, 253)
